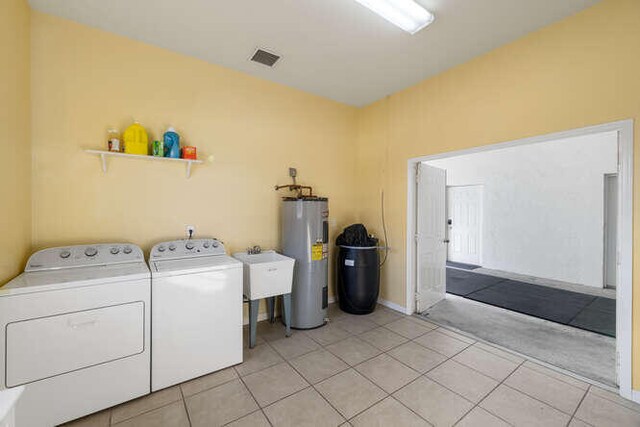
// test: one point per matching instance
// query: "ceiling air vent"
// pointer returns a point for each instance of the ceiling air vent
(265, 58)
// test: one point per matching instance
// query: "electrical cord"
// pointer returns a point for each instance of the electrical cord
(384, 229)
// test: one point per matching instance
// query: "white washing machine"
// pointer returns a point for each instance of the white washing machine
(196, 314)
(76, 332)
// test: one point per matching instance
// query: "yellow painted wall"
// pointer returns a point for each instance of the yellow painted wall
(584, 70)
(85, 80)
(15, 161)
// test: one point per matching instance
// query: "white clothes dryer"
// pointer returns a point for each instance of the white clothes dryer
(76, 333)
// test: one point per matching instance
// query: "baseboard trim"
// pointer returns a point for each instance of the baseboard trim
(635, 396)
(393, 306)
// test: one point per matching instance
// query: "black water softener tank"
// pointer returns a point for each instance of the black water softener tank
(358, 270)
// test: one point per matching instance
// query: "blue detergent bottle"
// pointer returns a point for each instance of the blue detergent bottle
(171, 141)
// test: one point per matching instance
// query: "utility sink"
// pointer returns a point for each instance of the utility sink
(266, 274)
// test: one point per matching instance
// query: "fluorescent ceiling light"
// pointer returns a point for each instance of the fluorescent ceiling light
(406, 14)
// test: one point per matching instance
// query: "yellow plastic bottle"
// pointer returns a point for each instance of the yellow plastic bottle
(136, 140)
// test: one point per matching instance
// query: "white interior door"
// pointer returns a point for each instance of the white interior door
(610, 230)
(431, 247)
(464, 210)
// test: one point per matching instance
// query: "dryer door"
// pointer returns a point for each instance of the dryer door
(48, 346)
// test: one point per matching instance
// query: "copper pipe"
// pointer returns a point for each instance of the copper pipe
(295, 187)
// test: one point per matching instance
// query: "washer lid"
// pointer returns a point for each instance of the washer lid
(48, 280)
(176, 267)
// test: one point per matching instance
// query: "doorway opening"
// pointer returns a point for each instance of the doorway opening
(525, 227)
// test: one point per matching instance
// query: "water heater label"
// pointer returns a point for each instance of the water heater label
(316, 252)
(349, 262)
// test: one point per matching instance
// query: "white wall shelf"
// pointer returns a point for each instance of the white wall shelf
(104, 154)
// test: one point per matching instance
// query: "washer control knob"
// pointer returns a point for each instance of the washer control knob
(127, 250)
(189, 246)
(215, 244)
(172, 247)
(161, 248)
(206, 244)
(65, 254)
(115, 250)
(91, 251)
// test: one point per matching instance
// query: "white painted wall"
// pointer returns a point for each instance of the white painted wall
(543, 205)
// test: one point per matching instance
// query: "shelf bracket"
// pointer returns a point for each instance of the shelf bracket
(104, 162)
(189, 170)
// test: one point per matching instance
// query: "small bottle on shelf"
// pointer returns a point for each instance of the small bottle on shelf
(113, 140)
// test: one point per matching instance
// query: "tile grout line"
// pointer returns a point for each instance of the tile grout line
(540, 401)
(365, 360)
(210, 388)
(143, 412)
(554, 378)
(184, 404)
(319, 393)
(284, 397)
(548, 404)
(614, 401)
(497, 355)
(409, 409)
(411, 382)
(252, 396)
(440, 353)
(246, 415)
(479, 372)
(489, 394)
(584, 396)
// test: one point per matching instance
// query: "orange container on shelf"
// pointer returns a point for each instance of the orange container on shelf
(189, 152)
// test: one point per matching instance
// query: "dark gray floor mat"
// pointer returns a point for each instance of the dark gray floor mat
(588, 312)
(599, 316)
(464, 282)
(462, 265)
(546, 303)
(604, 304)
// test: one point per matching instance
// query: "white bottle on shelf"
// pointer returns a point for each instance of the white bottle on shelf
(113, 139)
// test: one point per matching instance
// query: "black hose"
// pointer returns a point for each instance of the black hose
(384, 229)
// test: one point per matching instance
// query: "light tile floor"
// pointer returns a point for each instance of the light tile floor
(377, 370)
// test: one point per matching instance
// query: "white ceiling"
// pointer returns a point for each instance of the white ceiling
(334, 48)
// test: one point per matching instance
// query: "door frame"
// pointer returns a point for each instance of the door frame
(481, 216)
(606, 230)
(624, 292)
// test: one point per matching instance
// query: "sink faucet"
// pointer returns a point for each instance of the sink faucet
(254, 250)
